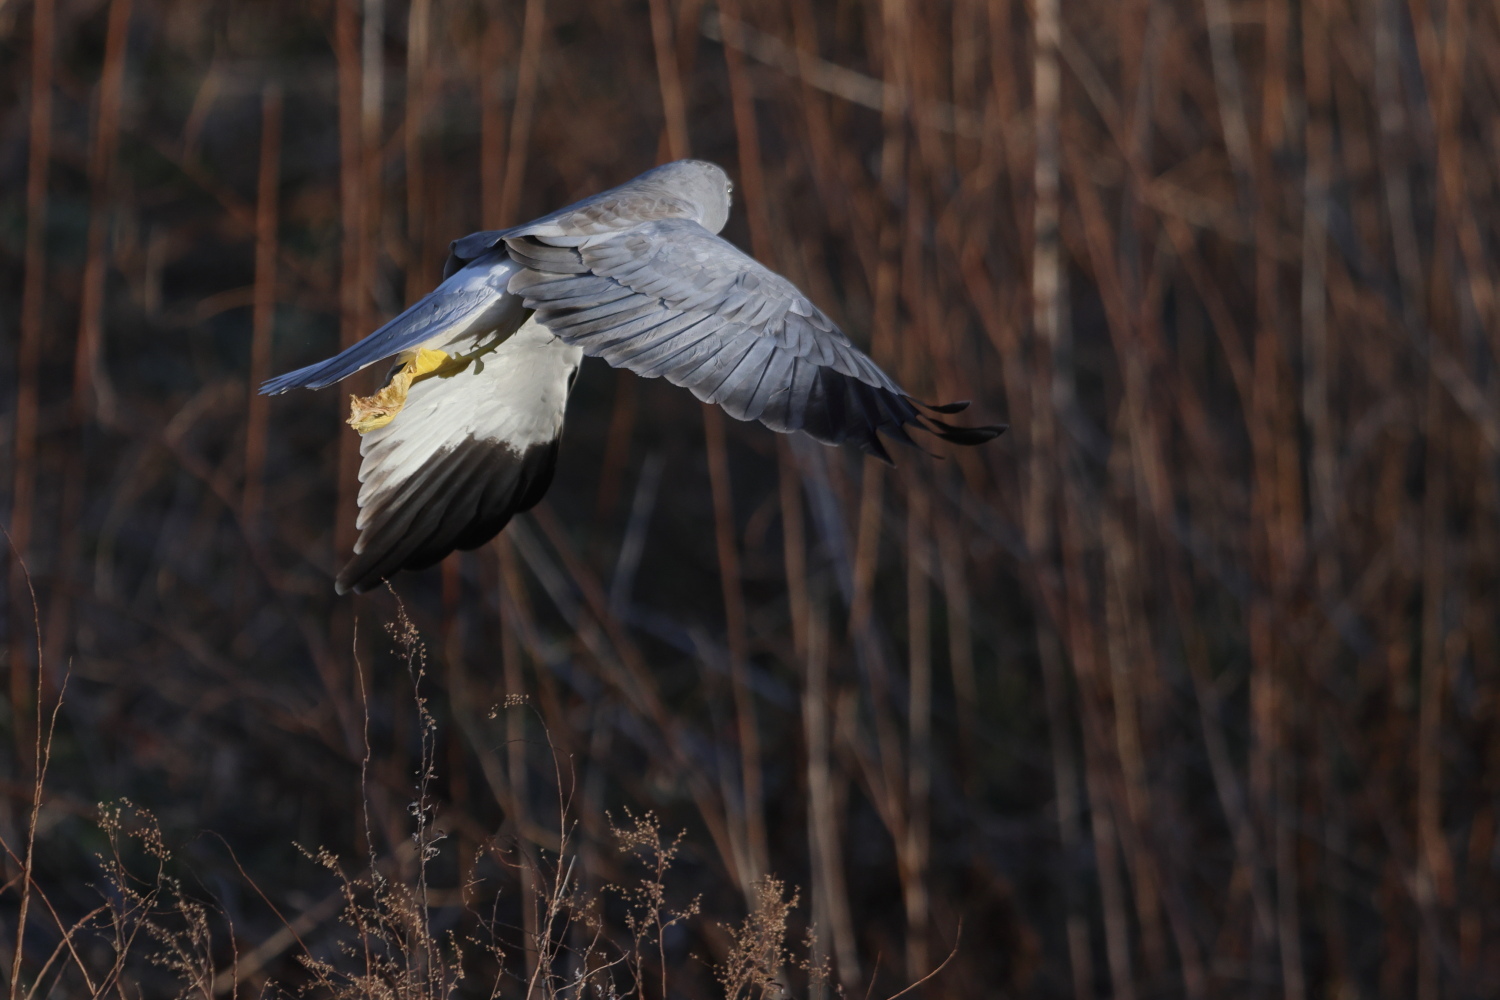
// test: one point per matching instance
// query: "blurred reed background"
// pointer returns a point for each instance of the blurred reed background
(1185, 687)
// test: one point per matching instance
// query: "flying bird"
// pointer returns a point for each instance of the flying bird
(465, 432)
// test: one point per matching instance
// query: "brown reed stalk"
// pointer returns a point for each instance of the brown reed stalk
(353, 293)
(828, 891)
(916, 847)
(959, 611)
(752, 807)
(29, 353)
(624, 668)
(617, 444)
(371, 156)
(353, 216)
(492, 122)
(1229, 92)
(1316, 349)
(747, 138)
(1127, 654)
(1444, 59)
(1047, 322)
(533, 38)
(517, 802)
(1084, 648)
(263, 317)
(92, 397)
(677, 145)
(915, 843)
(91, 389)
(828, 168)
(830, 897)
(1126, 650)
(41, 756)
(747, 135)
(669, 80)
(419, 271)
(1277, 505)
(889, 784)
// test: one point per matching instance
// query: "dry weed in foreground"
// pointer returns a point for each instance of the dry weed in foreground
(152, 908)
(395, 952)
(757, 947)
(387, 947)
(649, 917)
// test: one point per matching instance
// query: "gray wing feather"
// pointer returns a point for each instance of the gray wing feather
(474, 298)
(669, 299)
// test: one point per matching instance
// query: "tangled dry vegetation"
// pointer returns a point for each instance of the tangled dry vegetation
(150, 935)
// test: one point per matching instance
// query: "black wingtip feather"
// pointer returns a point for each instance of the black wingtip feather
(958, 407)
(967, 435)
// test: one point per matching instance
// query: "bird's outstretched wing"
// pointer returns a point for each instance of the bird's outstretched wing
(473, 300)
(470, 449)
(670, 299)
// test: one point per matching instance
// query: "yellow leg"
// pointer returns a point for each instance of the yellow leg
(366, 413)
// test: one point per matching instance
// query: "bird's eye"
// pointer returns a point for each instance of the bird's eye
(729, 187)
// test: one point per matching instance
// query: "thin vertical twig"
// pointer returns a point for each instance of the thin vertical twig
(257, 415)
(41, 756)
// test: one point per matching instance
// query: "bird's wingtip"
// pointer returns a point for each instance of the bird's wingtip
(949, 432)
(945, 408)
(310, 377)
(968, 435)
(345, 583)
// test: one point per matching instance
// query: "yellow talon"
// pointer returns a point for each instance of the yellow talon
(366, 413)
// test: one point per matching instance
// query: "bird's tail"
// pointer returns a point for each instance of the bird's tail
(472, 299)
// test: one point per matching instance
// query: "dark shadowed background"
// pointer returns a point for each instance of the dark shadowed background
(1186, 686)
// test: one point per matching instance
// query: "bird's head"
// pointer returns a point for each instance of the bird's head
(702, 184)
